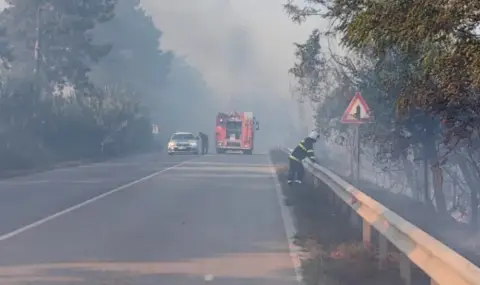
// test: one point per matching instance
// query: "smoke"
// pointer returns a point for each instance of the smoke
(244, 49)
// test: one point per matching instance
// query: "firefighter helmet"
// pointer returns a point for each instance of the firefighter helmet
(314, 135)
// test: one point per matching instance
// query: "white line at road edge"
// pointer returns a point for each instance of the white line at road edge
(89, 201)
(294, 250)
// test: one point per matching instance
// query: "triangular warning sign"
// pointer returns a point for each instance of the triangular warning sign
(357, 105)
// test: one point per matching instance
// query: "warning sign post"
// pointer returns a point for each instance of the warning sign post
(357, 113)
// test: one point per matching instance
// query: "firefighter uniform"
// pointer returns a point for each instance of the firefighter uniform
(206, 144)
(303, 150)
(204, 140)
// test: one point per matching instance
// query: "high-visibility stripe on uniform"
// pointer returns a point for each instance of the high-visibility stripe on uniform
(294, 158)
(302, 146)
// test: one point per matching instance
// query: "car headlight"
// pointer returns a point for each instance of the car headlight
(171, 144)
(193, 144)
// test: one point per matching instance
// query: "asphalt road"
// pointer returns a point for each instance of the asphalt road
(157, 219)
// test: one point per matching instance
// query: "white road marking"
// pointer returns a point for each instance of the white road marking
(84, 203)
(208, 277)
(14, 182)
(29, 182)
(295, 251)
(116, 164)
(109, 164)
(238, 164)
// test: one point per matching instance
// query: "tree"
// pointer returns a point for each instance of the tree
(187, 103)
(174, 92)
(54, 38)
(136, 60)
(440, 35)
(310, 69)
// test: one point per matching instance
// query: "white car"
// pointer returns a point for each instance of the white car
(183, 142)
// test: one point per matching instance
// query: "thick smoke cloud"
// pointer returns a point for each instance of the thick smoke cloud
(243, 48)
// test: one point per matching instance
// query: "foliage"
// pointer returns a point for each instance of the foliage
(62, 32)
(188, 103)
(174, 93)
(309, 70)
(135, 52)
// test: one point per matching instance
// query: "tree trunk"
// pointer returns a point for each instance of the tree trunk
(430, 150)
(468, 174)
(440, 201)
(411, 179)
(426, 186)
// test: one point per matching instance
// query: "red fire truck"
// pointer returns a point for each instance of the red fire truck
(235, 132)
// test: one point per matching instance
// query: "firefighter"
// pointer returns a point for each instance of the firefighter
(206, 143)
(304, 149)
(204, 140)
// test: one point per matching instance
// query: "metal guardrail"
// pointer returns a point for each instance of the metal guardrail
(443, 265)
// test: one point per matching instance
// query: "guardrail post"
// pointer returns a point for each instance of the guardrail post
(335, 200)
(367, 233)
(331, 197)
(354, 218)
(382, 250)
(405, 269)
(314, 181)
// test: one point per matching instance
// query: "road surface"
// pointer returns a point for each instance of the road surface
(176, 220)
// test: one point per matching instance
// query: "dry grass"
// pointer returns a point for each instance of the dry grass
(348, 263)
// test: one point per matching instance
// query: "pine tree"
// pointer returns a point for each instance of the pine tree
(53, 39)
